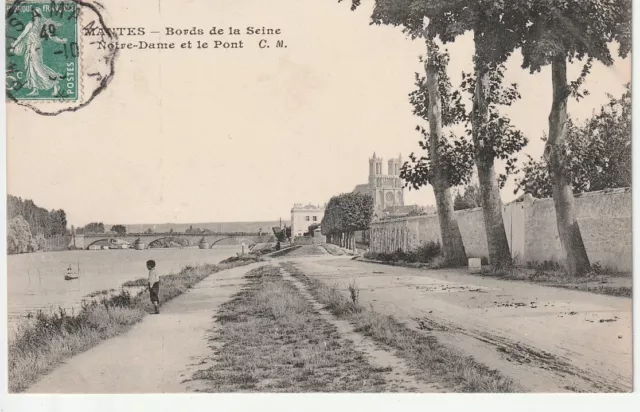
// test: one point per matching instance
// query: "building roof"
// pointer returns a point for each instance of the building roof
(363, 188)
(297, 207)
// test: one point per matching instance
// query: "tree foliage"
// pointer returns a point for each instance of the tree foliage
(40, 220)
(455, 152)
(347, 213)
(560, 30)
(312, 229)
(469, 200)
(597, 153)
(499, 28)
(119, 229)
(93, 228)
(497, 138)
(20, 239)
(574, 29)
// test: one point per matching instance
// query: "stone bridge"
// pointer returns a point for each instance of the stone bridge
(130, 240)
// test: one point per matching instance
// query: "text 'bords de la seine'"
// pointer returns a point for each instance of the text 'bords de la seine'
(261, 35)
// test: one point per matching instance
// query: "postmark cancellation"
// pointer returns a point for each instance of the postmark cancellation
(50, 67)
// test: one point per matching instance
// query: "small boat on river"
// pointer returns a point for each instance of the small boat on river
(71, 275)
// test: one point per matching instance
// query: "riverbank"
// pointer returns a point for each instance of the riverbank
(35, 281)
(38, 347)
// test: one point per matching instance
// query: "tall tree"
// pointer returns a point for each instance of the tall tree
(492, 23)
(58, 222)
(560, 31)
(40, 220)
(432, 102)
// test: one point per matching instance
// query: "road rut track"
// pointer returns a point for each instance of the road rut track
(524, 355)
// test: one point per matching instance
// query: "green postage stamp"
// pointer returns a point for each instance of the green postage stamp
(42, 53)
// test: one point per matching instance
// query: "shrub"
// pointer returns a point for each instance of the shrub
(425, 253)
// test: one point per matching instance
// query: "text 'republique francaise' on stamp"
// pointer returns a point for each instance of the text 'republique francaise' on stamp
(51, 67)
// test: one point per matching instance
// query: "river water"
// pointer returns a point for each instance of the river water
(36, 280)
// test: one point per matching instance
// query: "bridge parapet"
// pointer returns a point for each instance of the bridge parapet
(154, 234)
(114, 240)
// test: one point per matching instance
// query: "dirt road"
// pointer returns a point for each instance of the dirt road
(547, 339)
(157, 354)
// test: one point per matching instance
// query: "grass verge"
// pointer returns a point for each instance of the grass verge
(270, 339)
(38, 346)
(245, 259)
(603, 281)
(424, 355)
(424, 254)
(285, 251)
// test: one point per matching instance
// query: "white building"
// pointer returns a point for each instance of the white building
(304, 216)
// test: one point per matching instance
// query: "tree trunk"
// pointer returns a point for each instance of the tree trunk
(499, 253)
(353, 242)
(566, 217)
(452, 246)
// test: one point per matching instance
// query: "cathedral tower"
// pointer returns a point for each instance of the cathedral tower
(386, 189)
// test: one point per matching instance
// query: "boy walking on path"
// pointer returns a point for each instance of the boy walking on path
(154, 285)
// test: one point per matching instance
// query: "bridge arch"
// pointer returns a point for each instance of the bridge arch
(108, 239)
(148, 246)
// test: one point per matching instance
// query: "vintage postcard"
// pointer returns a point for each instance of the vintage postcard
(323, 196)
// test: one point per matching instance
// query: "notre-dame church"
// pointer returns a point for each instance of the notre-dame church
(386, 189)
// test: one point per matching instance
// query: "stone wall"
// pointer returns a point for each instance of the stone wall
(530, 224)
(605, 223)
(408, 232)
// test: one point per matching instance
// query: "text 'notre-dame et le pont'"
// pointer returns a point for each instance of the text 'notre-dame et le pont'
(185, 38)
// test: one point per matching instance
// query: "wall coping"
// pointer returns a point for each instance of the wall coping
(604, 192)
(414, 217)
(523, 198)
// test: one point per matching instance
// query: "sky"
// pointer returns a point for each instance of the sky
(242, 135)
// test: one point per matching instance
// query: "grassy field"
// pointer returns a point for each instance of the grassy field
(426, 357)
(269, 339)
(38, 346)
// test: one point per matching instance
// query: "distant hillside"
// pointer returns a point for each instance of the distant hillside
(213, 226)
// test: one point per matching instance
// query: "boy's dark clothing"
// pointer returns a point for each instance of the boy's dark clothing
(153, 292)
(154, 285)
